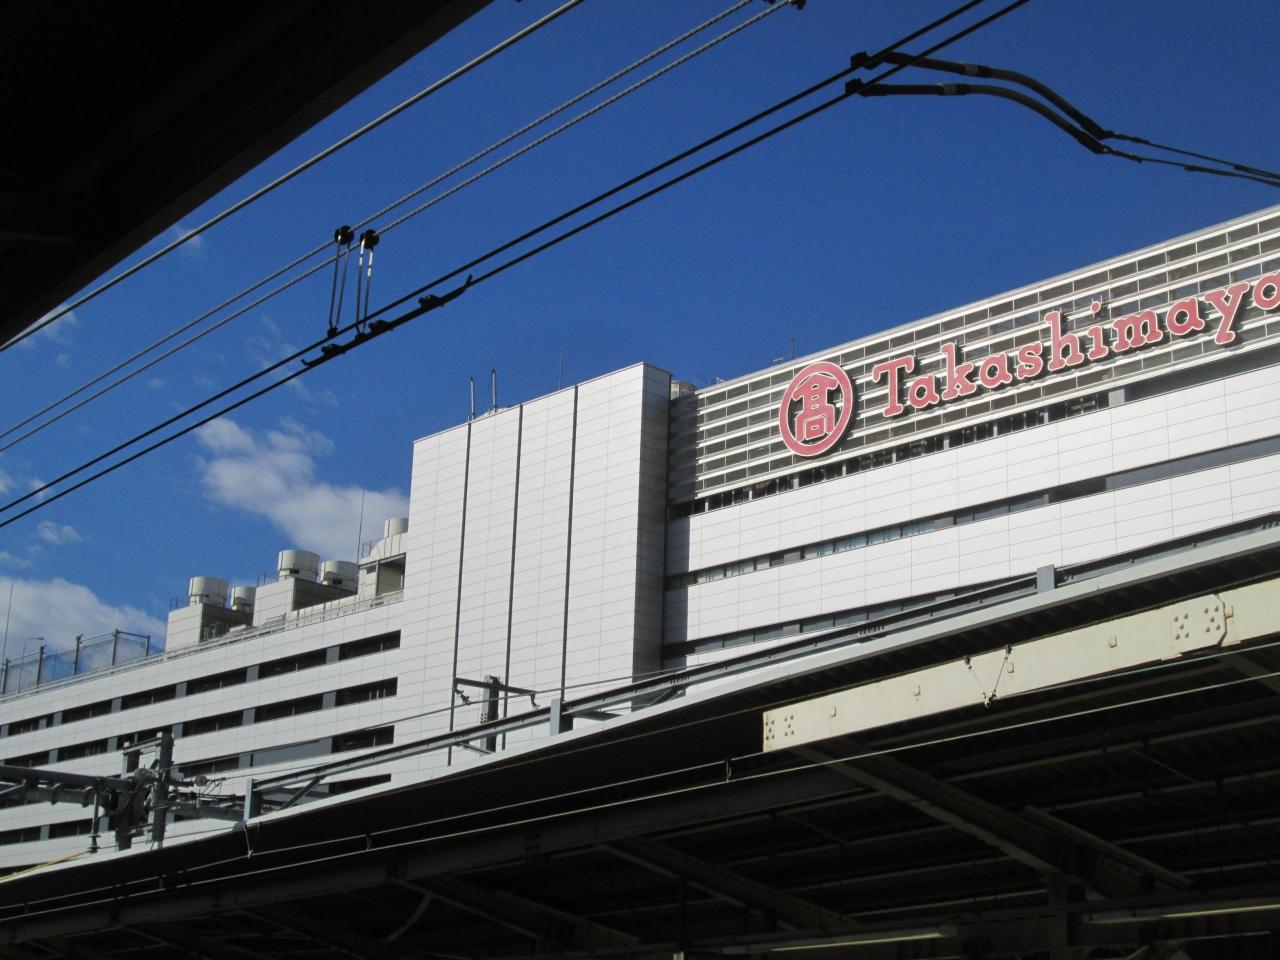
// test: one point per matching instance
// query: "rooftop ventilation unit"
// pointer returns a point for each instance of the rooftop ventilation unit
(340, 573)
(242, 599)
(302, 564)
(207, 590)
(395, 525)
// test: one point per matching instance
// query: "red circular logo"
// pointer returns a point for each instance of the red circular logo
(822, 396)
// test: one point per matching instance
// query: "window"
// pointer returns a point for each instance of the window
(303, 661)
(216, 682)
(223, 721)
(78, 750)
(144, 697)
(26, 726)
(367, 691)
(30, 760)
(288, 708)
(362, 648)
(362, 739)
(85, 712)
(74, 828)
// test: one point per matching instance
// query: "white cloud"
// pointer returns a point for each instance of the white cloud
(58, 533)
(6, 482)
(268, 346)
(274, 475)
(61, 331)
(13, 560)
(193, 247)
(63, 360)
(59, 611)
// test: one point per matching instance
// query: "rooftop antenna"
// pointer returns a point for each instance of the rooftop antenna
(473, 398)
(4, 650)
(360, 528)
(493, 389)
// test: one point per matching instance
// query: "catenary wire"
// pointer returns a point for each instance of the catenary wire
(613, 211)
(300, 168)
(717, 764)
(298, 354)
(456, 168)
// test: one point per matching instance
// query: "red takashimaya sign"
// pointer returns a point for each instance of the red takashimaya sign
(819, 423)
(817, 407)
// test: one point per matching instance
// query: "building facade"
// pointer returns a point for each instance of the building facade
(633, 527)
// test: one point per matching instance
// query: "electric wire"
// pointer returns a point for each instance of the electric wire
(528, 234)
(456, 168)
(506, 265)
(27, 910)
(295, 171)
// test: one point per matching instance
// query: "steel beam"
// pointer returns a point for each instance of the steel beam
(1045, 850)
(792, 911)
(193, 943)
(720, 801)
(321, 931)
(537, 921)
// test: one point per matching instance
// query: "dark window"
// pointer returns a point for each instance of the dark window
(359, 783)
(21, 835)
(362, 739)
(216, 682)
(144, 697)
(223, 721)
(78, 750)
(73, 828)
(206, 767)
(362, 648)
(367, 691)
(30, 759)
(129, 739)
(288, 708)
(303, 661)
(26, 726)
(85, 712)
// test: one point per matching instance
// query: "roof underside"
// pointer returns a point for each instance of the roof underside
(1116, 813)
(122, 118)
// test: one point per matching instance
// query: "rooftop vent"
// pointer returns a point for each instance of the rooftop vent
(207, 590)
(242, 599)
(302, 564)
(340, 573)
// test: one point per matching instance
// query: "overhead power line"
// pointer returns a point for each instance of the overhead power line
(1052, 107)
(376, 326)
(300, 168)
(417, 191)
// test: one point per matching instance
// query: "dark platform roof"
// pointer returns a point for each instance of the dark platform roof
(121, 118)
(1129, 812)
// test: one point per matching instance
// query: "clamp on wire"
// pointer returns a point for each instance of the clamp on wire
(364, 277)
(342, 238)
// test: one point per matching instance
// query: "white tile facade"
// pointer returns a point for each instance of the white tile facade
(539, 551)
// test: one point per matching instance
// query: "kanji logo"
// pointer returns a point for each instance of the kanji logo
(816, 409)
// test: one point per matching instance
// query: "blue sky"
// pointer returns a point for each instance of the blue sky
(873, 214)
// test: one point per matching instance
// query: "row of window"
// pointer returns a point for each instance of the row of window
(997, 508)
(973, 433)
(262, 671)
(706, 475)
(673, 653)
(355, 740)
(757, 455)
(264, 713)
(1074, 293)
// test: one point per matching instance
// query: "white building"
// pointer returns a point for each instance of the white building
(563, 549)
